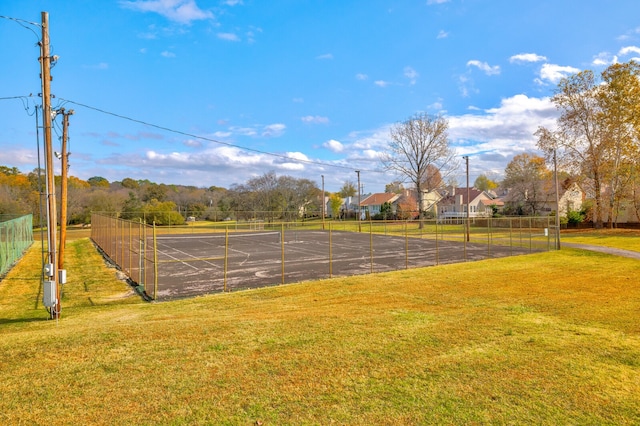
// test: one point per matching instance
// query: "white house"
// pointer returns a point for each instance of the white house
(454, 205)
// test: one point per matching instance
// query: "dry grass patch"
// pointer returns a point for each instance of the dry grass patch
(549, 338)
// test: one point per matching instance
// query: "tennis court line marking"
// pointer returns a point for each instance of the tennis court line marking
(183, 262)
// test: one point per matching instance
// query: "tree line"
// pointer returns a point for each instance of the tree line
(595, 143)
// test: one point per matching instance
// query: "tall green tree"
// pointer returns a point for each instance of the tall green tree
(348, 189)
(483, 183)
(335, 202)
(98, 181)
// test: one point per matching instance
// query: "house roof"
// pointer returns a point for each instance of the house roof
(378, 199)
(496, 201)
(451, 198)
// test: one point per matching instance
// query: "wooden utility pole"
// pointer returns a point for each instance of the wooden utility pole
(45, 76)
(64, 157)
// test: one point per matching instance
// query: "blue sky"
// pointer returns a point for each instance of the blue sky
(232, 89)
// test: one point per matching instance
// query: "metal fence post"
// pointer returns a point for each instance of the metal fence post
(406, 246)
(282, 245)
(370, 245)
(330, 250)
(155, 263)
(226, 258)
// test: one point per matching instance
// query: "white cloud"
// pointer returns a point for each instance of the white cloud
(442, 34)
(168, 54)
(437, 106)
(181, 11)
(371, 154)
(297, 156)
(192, 143)
(274, 130)
(228, 37)
(485, 67)
(527, 57)
(465, 85)
(604, 59)
(325, 56)
(315, 119)
(629, 50)
(411, 74)
(498, 134)
(17, 156)
(554, 73)
(361, 76)
(333, 145)
(243, 131)
(221, 135)
(233, 2)
(381, 83)
(629, 34)
(430, 2)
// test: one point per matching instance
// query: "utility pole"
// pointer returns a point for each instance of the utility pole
(51, 270)
(359, 224)
(466, 157)
(64, 157)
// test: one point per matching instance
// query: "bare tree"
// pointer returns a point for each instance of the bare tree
(419, 151)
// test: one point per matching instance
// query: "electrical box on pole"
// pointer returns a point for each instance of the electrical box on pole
(49, 298)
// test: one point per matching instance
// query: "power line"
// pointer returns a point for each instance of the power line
(23, 99)
(22, 23)
(191, 135)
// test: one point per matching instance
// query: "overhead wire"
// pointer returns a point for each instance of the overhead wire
(191, 135)
(21, 22)
(23, 99)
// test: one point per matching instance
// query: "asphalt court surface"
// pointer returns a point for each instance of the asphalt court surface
(193, 264)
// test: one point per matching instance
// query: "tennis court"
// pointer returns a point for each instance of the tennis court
(195, 264)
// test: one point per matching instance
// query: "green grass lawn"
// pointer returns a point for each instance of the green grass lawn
(550, 338)
(618, 238)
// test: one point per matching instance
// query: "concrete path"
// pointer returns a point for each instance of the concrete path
(602, 249)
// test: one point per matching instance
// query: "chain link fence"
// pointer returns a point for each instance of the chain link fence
(206, 257)
(16, 236)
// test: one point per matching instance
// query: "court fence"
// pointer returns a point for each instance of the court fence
(16, 236)
(208, 257)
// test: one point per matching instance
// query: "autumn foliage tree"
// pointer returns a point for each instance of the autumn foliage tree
(527, 178)
(597, 132)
